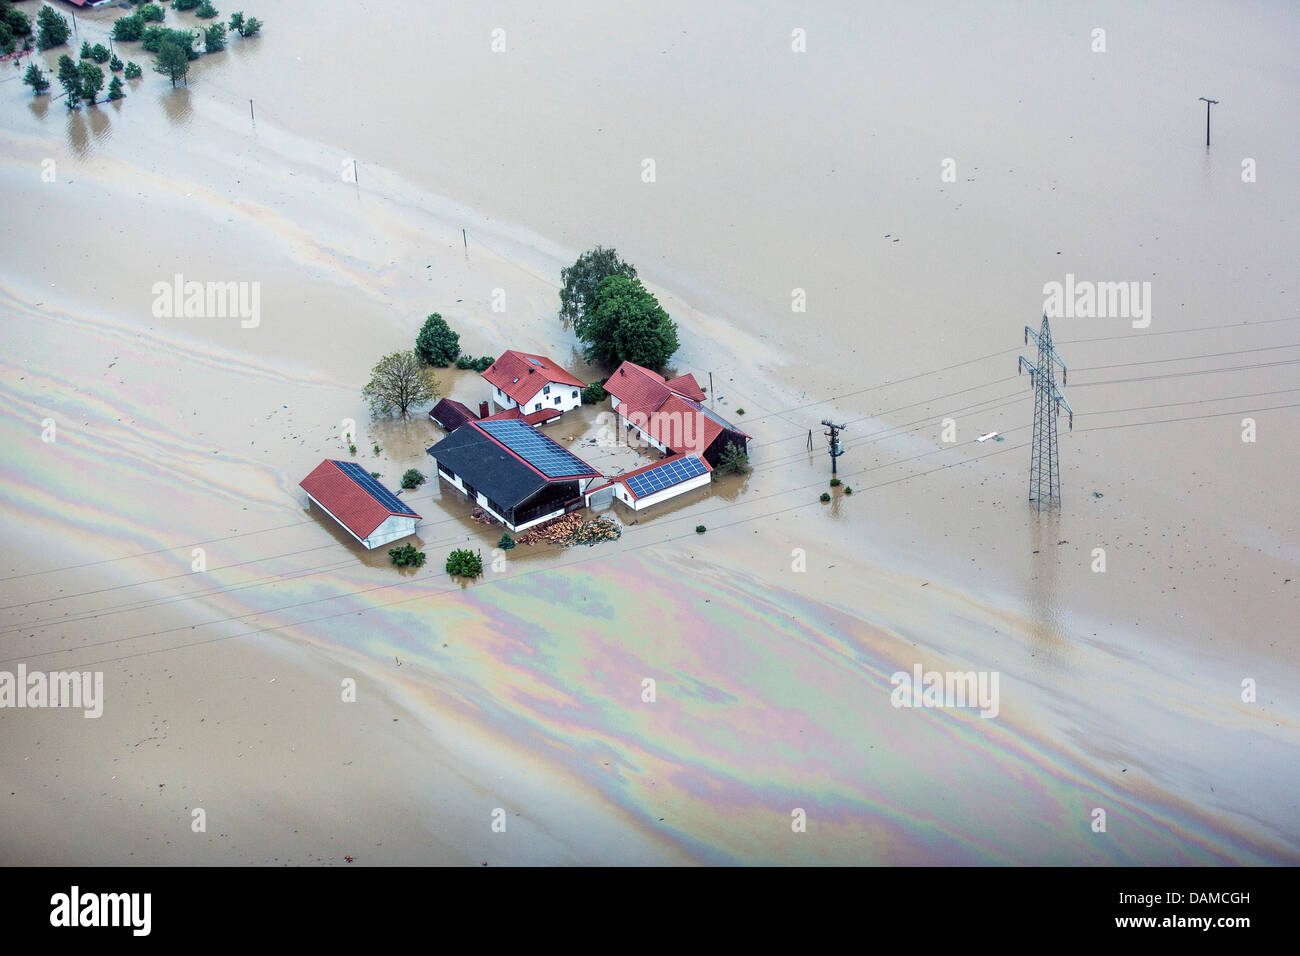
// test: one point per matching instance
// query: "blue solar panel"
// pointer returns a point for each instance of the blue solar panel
(376, 490)
(535, 448)
(714, 415)
(672, 472)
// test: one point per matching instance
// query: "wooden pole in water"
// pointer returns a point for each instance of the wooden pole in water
(250, 111)
(355, 179)
(464, 238)
(711, 401)
(1208, 104)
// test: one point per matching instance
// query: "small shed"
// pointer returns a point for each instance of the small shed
(366, 509)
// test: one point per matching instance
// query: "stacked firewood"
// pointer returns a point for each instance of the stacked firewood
(571, 529)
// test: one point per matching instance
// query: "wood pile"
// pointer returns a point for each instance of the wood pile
(571, 529)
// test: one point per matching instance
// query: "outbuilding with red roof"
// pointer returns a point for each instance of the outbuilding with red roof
(366, 509)
(669, 413)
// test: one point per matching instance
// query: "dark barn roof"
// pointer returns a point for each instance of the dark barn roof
(487, 466)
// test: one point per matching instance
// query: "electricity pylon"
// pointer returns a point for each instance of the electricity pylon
(1044, 463)
(833, 438)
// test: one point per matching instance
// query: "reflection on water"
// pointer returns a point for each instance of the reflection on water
(99, 122)
(78, 138)
(39, 106)
(176, 104)
(1046, 623)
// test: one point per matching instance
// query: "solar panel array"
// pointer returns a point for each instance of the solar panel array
(713, 415)
(672, 472)
(378, 491)
(535, 448)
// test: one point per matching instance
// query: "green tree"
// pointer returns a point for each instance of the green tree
(133, 71)
(99, 53)
(128, 28)
(506, 542)
(85, 50)
(172, 62)
(580, 280)
(413, 478)
(437, 344)
(52, 28)
(206, 10)
(115, 91)
(185, 4)
(92, 81)
(151, 13)
(594, 394)
(36, 79)
(626, 324)
(236, 21)
(464, 563)
(70, 80)
(18, 22)
(115, 64)
(252, 26)
(155, 36)
(214, 38)
(733, 460)
(398, 382)
(406, 556)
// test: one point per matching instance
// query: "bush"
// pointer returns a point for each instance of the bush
(406, 556)
(848, 490)
(214, 38)
(835, 482)
(733, 460)
(594, 394)
(412, 479)
(740, 411)
(464, 563)
(352, 449)
(151, 13)
(99, 53)
(482, 363)
(826, 496)
(374, 475)
(36, 79)
(54, 29)
(376, 449)
(185, 4)
(115, 65)
(206, 10)
(133, 71)
(155, 36)
(85, 50)
(128, 28)
(437, 344)
(506, 542)
(700, 529)
(115, 89)
(464, 362)
(251, 27)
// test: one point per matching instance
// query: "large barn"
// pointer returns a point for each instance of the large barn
(512, 471)
(668, 414)
(366, 509)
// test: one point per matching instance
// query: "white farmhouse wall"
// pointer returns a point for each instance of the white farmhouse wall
(393, 527)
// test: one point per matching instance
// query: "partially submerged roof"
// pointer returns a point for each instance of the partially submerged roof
(508, 459)
(521, 374)
(451, 414)
(539, 451)
(655, 477)
(350, 494)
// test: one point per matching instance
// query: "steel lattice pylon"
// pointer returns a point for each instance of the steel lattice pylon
(1044, 462)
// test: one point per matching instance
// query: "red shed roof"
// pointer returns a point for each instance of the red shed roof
(521, 374)
(532, 418)
(451, 414)
(351, 495)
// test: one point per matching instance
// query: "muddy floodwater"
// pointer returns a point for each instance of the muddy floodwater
(852, 214)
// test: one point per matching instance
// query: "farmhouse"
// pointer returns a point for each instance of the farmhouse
(668, 414)
(366, 509)
(511, 470)
(531, 383)
(654, 483)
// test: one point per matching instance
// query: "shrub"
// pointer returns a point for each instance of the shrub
(464, 563)
(128, 28)
(99, 53)
(115, 89)
(594, 393)
(155, 36)
(36, 79)
(848, 490)
(740, 411)
(506, 542)
(206, 10)
(835, 482)
(700, 529)
(133, 71)
(733, 460)
(85, 50)
(214, 38)
(54, 29)
(151, 13)
(412, 479)
(406, 556)
(374, 475)
(352, 449)
(185, 4)
(826, 496)
(437, 344)
(376, 449)
(464, 362)
(251, 27)
(115, 64)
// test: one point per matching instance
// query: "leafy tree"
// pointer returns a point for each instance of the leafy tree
(626, 324)
(413, 478)
(36, 79)
(506, 542)
(115, 91)
(465, 563)
(151, 13)
(133, 71)
(70, 80)
(185, 4)
(482, 363)
(733, 460)
(580, 280)
(115, 64)
(18, 22)
(594, 394)
(437, 344)
(236, 20)
(397, 382)
(155, 36)
(406, 556)
(99, 53)
(7, 42)
(171, 62)
(85, 50)
(128, 28)
(252, 26)
(92, 81)
(206, 10)
(214, 38)
(52, 28)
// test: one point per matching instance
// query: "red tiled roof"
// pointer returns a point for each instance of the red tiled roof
(639, 388)
(451, 414)
(355, 506)
(668, 411)
(532, 418)
(521, 374)
(686, 385)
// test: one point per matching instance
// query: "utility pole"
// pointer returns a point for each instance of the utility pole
(1208, 104)
(1044, 463)
(833, 435)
